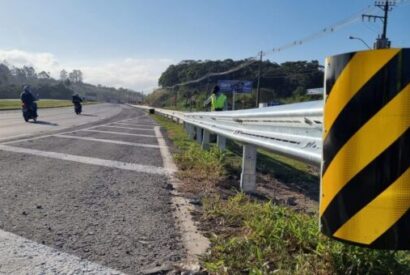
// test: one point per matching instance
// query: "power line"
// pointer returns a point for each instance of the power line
(251, 60)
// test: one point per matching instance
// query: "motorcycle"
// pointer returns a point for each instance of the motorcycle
(29, 112)
(77, 108)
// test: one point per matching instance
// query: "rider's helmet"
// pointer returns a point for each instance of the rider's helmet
(27, 88)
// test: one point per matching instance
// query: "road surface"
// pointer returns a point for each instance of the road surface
(86, 194)
(12, 123)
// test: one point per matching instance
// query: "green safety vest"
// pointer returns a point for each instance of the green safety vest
(218, 102)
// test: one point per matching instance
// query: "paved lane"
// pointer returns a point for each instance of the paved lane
(13, 125)
(95, 199)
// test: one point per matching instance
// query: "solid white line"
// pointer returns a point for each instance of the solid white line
(195, 243)
(19, 255)
(129, 128)
(110, 141)
(88, 160)
(116, 133)
(166, 156)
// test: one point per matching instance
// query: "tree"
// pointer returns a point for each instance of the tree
(30, 73)
(43, 75)
(63, 75)
(76, 76)
(5, 74)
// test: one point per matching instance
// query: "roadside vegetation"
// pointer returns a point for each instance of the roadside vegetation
(12, 80)
(280, 83)
(254, 236)
(12, 104)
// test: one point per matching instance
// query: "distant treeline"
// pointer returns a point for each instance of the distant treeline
(13, 79)
(286, 82)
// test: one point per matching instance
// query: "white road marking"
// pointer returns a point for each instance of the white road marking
(115, 133)
(129, 128)
(40, 137)
(110, 141)
(134, 124)
(22, 256)
(88, 160)
(194, 242)
(33, 138)
(13, 137)
(166, 155)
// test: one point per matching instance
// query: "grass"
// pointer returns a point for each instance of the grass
(254, 237)
(12, 104)
(269, 238)
(200, 170)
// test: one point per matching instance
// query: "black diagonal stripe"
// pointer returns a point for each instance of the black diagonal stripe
(373, 96)
(335, 67)
(367, 184)
(397, 237)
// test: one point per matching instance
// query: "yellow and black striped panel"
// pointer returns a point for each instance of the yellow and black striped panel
(365, 188)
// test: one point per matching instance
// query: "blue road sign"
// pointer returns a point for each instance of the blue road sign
(237, 86)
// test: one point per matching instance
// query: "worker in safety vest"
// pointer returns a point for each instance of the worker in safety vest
(217, 99)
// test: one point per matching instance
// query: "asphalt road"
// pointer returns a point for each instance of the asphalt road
(12, 123)
(84, 194)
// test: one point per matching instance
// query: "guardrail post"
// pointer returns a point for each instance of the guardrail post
(205, 139)
(221, 142)
(199, 135)
(248, 176)
(191, 131)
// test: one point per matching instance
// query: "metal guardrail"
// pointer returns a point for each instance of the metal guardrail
(292, 130)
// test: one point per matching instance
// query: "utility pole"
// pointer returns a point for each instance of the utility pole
(259, 80)
(381, 42)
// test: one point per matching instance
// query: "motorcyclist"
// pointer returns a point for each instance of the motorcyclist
(77, 103)
(28, 99)
(77, 99)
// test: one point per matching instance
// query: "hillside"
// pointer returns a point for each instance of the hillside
(280, 83)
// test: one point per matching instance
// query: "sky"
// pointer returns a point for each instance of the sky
(129, 43)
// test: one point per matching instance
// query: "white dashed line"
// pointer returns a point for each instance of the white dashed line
(88, 160)
(116, 133)
(110, 141)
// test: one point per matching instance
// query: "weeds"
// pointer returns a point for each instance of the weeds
(199, 170)
(273, 239)
(249, 237)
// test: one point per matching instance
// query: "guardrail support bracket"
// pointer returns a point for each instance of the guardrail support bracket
(248, 176)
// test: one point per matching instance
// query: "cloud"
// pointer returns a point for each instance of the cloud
(132, 73)
(40, 61)
(139, 74)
